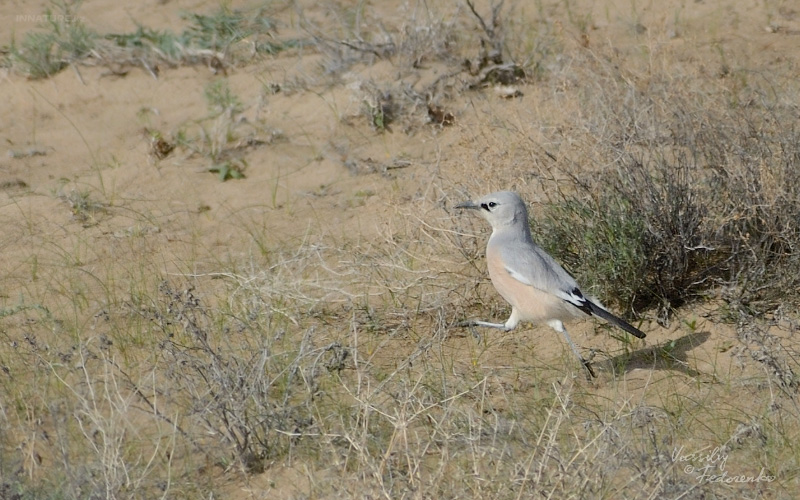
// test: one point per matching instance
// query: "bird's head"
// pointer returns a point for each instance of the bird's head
(501, 209)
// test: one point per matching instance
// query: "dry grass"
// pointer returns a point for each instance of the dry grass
(336, 355)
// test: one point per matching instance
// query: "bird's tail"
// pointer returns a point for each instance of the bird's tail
(602, 313)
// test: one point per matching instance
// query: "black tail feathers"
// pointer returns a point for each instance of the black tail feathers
(602, 313)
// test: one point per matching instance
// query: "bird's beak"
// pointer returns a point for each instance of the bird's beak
(468, 204)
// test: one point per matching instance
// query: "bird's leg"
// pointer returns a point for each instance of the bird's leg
(559, 327)
(472, 322)
(506, 327)
(509, 325)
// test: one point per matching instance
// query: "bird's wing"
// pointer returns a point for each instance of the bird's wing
(529, 264)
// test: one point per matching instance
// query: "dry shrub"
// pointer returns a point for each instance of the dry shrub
(703, 195)
(238, 376)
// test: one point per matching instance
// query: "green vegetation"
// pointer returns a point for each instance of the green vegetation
(62, 40)
(216, 32)
(221, 100)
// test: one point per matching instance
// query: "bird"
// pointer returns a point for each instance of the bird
(537, 287)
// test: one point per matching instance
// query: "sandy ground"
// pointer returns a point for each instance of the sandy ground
(322, 173)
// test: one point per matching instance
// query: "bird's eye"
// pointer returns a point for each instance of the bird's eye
(492, 204)
(487, 206)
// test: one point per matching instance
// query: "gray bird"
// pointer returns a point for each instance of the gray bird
(537, 287)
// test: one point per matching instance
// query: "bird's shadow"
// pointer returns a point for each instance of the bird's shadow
(669, 355)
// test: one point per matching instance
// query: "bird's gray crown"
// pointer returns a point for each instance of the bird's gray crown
(501, 209)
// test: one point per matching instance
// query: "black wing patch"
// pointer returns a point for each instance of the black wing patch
(580, 301)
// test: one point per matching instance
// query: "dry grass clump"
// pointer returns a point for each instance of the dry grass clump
(423, 35)
(435, 53)
(75, 416)
(237, 376)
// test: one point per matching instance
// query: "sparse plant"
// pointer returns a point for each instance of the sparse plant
(219, 30)
(207, 39)
(84, 209)
(223, 137)
(221, 99)
(164, 44)
(425, 35)
(231, 169)
(62, 40)
(380, 111)
(492, 44)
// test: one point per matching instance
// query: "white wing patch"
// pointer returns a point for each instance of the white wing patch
(576, 300)
(519, 277)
